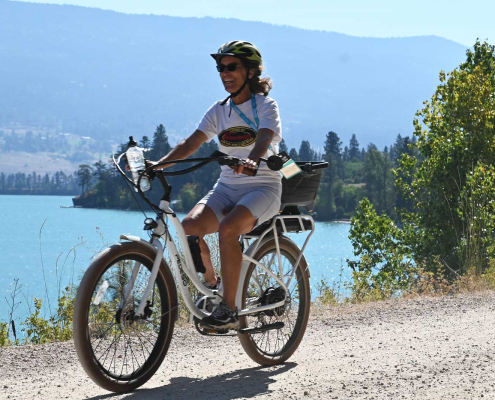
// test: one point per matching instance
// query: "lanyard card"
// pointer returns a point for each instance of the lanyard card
(290, 168)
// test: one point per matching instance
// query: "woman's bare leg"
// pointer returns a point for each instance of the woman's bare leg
(238, 221)
(202, 221)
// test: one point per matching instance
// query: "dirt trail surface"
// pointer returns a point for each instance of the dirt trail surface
(429, 348)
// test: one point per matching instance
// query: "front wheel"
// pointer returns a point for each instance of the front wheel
(276, 346)
(119, 350)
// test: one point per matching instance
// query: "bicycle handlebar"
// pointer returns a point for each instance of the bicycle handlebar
(275, 163)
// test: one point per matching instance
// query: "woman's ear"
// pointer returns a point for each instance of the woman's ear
(251, 73)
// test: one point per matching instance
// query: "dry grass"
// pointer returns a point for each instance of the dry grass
(425, 284)
(40, 162)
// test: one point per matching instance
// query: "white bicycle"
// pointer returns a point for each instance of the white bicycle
(127, 305)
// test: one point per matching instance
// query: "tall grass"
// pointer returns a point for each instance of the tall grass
(45, 322)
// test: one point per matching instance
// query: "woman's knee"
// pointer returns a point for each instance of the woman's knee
(229, 229)
(190, 226)
(201, 221)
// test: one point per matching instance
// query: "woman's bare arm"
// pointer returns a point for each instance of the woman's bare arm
(263, 140)
(185, 148)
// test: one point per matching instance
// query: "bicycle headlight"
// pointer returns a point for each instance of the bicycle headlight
(149, 224)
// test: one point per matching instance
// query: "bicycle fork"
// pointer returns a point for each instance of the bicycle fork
(154, 272)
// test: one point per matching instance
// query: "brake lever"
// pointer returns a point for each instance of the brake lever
(228, 160)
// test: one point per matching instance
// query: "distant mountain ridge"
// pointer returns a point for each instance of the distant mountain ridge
(109, 75)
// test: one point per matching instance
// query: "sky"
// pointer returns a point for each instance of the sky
(450, 19)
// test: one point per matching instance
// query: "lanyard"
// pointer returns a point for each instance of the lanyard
(243, 116)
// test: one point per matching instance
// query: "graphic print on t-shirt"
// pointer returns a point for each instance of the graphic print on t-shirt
(237, 136)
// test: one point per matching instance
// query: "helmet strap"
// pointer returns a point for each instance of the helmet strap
(231, 96)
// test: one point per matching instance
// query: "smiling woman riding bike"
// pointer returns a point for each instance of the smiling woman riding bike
(247, 124)
(127, 301)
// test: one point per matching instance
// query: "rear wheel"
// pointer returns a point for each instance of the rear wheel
(117, 349)
(277, 345)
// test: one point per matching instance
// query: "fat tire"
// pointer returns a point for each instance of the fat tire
(164, 280)
(290, 250)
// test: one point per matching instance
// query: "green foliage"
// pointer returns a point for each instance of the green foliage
(353, 172)
(342, 186)
(333, 155)
(188, 197)
(84, 173)
(446, 183)
(325, 203)
(37, 328)
(384, 267)
(62, 324)
(348, 199)
(306, 153)
(4, 334)
(379, 181)
(58, 183)
(328, 294)
(283, 147)
(477, 210)
(160, 146)
(40, 330)
(293, 154)
(354, 152)
(456, 142)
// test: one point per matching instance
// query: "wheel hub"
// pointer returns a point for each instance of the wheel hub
(271, 296)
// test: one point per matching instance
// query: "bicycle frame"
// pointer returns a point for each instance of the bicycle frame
(185, 270)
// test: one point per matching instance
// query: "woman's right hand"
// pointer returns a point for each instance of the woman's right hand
(246, 167)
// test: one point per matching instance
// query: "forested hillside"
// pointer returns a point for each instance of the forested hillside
(354, 172)
(108, 75)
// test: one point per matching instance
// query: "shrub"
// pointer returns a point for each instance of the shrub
(4, 334)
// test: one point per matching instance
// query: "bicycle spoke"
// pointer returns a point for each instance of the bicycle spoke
(107, 352)
(133, 339)
(102, 335)
(273, 342)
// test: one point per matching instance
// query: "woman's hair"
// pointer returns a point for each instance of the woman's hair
(259, 85)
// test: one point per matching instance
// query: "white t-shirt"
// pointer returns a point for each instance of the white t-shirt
(237, 138)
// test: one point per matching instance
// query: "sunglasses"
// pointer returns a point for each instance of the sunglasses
(230, 67)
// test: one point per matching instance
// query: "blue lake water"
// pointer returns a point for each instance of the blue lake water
(71, 236)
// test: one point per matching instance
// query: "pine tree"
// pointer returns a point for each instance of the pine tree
(325, 205)
(345, 154)
(306, 153)
(283, 147)
(84, 175)
(353, 148)
(161, 146)
(293, 154)
(333, 155)
(145, 143)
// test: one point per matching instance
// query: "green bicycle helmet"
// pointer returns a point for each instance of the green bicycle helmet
(237, 48)
(245, 51)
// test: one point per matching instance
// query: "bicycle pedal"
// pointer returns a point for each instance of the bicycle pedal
(212, 332)
(263, 328)
(219, 332)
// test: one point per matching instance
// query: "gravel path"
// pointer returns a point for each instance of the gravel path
(428, 348)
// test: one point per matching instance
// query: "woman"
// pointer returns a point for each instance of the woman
(247, 125)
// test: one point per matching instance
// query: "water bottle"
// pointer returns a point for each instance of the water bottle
(135, 159)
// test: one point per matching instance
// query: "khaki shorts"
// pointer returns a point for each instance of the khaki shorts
(263, 200)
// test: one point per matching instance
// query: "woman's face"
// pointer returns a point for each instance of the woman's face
(233, 80)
